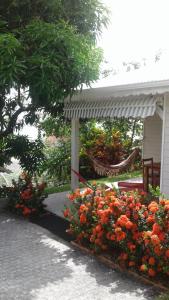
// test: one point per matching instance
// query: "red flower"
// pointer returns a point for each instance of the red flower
(151, 261)
(156, 228)
(26, 211)
(167, 253)
(151, 272)
(66, 212)
(83, 219)
(26, 194)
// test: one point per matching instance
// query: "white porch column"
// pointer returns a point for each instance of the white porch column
(74, 153)
(164, 182)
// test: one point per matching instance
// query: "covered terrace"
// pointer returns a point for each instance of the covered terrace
(146, 100)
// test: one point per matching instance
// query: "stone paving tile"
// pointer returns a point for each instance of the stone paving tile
(36, 265)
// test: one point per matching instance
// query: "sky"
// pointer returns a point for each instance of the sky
(138, 30)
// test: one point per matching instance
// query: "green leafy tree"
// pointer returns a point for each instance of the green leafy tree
(57, 165)
(47, 51)
(58, 126)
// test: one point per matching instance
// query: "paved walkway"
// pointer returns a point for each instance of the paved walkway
(36, 265)
(56, 202)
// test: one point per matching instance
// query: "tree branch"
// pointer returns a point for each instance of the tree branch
(12, 122)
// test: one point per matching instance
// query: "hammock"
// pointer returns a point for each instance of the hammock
(104, 169)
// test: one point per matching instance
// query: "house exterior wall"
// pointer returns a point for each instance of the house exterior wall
(152, 138)
(165, 149)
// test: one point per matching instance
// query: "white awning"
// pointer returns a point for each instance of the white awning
(136, 106)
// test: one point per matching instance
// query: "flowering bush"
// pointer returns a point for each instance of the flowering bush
(24, 198)
(135, 233)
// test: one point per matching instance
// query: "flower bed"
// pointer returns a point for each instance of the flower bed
(135, 234)
(25, 198)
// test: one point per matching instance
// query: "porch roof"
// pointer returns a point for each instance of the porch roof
(140, 106)
(138, 100)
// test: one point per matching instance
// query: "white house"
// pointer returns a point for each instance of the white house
(148, 100)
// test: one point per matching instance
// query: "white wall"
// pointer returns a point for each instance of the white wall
(165, 149)
(152, 138)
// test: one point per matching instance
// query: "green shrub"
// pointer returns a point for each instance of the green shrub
(163, 297)
(57, 165)
(25, 198)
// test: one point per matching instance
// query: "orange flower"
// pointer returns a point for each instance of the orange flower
(98, 242)
(157, 250)
(98, 228)
(153, 207)
(26, 211)
(83, 208)
(167, 253)
(150, 219)
(161, 236)
(135, 216)
(131, 246)
(118, 230)
(166, 207)
(26, 194)
(71, 197)
(151, 272)
(131, 263)
(151, 261)
(144, 258)
(122, 220)
(88, 191)
(113, 237)
(83, 219)
(121, 236)
(108, 235)
(66, 212)
(129, 225)
(100, 234)
(143, 268)
(155, 239)
(156, 228)
(162, 201)
(18, 206)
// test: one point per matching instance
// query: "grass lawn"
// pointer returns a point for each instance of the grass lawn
(163, 297)
(121, 177)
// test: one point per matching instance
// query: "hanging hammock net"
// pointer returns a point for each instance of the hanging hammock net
(105, 169)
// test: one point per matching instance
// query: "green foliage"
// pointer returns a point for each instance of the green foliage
(29, 153)
(58, 127)
(102, 181)
(12, 65)
(108, 140)
(47, 51)
(130, 130)
(87, 16)
(57, 163)
(24, 197)
(155, 192)
(73, 60)
(163, 297)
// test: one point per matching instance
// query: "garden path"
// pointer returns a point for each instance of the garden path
(37, 265)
